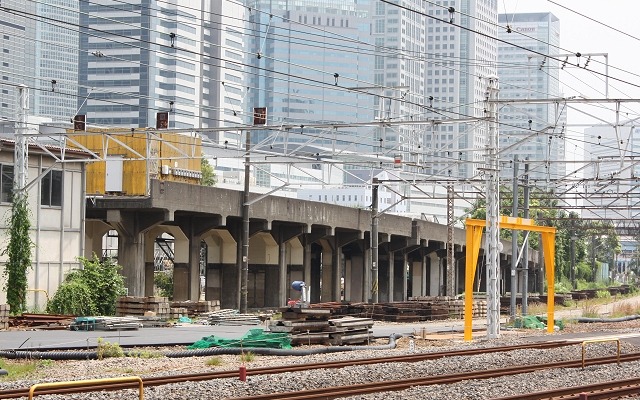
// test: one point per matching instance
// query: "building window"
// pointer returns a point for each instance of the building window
(6, 183)
(51, 189)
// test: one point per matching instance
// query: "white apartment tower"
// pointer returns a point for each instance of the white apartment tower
(399, 36)
(527, 75)
(223, 77)
(461, 56)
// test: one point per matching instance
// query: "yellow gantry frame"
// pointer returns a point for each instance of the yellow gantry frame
(474, 237)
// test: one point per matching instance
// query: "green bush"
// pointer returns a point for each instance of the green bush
(108, 349)
(92, 290)
(74, 298)
(164, 283)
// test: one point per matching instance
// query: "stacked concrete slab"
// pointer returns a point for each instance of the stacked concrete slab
(4, 316)
(317, 326)
(161, 307)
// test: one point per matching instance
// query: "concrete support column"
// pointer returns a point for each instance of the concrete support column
(327, 273)
(194, 267)
(93, 234)
(434, 274)
(366, 287)
(316, 272)
(404, 277)
(417, 277)
(336, 276)
(181, 268)
(392, 262)
(283, 234)
(186, 274)
(306, 261)
(282, 274)
(149, 266)
(424, 264)
(131, 257)
(357, 288)
(131, 227)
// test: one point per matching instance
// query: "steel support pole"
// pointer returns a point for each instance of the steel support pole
(514, 244)
(21, 155)
(374, 240)
(451, 261)
(525, 250)
(492, 232)
(244, 262)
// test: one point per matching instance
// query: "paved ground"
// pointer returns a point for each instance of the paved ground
(189, 333)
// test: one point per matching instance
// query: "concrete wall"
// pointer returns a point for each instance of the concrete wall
(57, 232)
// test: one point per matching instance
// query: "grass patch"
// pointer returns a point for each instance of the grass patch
(214, 362)
(590, 310)
(625, 309)
(19, 369)
(107, 349)
(138, 353)
(247, 357)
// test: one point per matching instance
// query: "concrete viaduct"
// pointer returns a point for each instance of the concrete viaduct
(325, 245)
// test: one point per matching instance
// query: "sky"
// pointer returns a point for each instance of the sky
(579, 34)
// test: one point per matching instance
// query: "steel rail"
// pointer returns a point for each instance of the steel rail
(396, 385)
(163, 380)
(600, 391)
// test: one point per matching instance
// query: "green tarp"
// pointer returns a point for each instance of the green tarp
(253, 338)
(535, 322)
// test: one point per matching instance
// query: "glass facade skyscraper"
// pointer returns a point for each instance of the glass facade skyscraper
(461, 59)
(311, 62)
(40, 50)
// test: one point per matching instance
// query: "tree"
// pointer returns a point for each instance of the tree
(208, 174)
(569, 227)
(18, 252)
(93, 289)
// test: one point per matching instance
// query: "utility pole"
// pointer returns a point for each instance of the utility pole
(525, 249)
(493, 201)
(21, 154)
(451, 270)
(573, 258)
(374, 240)
(514, 244)
(244, 264)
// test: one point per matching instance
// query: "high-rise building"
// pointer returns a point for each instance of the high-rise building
(40, 50)
(399, 71)
(310, 62)
(525, 74)
(462, 54)
(148, 56)
(139, 58)
(223, 79)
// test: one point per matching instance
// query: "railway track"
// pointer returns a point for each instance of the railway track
(597, 391)
(164, 380)
(375, 387)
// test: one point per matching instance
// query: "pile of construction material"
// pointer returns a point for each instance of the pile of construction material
(161, 307)
(316, 326)
(454, 306)
(105, 324)
(232, 317)
(424, 308)
(4, 316)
